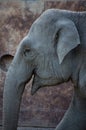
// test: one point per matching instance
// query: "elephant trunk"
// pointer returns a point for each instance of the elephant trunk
(11, 101)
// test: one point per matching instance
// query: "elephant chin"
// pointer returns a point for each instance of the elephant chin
(34, 89)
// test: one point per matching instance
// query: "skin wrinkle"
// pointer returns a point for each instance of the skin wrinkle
(52, 74)
(43, 64)
(55, 68)
(47, 62)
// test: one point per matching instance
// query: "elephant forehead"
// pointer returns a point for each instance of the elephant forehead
(42, 29)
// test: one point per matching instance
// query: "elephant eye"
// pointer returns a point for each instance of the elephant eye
(26, 51)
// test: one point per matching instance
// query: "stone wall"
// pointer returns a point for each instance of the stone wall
(48, 105)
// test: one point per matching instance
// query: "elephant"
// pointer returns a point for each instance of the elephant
(53, 52)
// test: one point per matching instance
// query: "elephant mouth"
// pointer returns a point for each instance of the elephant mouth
(39, 82)
(35, 86)
(34, 89)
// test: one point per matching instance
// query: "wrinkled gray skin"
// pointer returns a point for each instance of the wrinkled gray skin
(54, 51)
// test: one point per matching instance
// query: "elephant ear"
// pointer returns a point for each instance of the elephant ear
(5, 61)
(67, 38)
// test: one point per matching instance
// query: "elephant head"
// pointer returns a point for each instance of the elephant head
(47, 52)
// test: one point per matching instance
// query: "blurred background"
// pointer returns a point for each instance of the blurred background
(48, 105)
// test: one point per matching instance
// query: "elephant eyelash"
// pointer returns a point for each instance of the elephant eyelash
(26, 51)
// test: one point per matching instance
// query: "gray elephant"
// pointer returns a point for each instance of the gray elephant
(54, 51)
